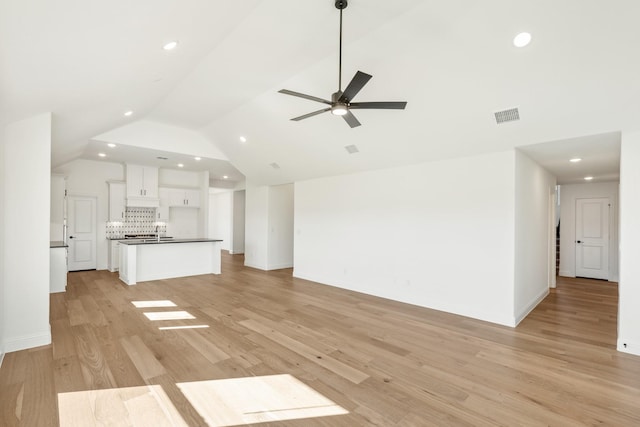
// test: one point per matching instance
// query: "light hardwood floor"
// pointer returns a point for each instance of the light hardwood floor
(382, 362)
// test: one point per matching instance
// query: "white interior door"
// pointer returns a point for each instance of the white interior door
(81, 211)
(592, 238)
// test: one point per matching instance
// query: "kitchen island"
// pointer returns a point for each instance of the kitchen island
(143, 260)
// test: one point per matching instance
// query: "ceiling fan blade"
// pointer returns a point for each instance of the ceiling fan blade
(378, 105)
(351, 119)
(357, 82)
(315, 113)
(302, 95)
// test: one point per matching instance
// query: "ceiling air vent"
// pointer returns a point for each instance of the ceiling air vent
(504, 116)
(275, 165)
(351, 149)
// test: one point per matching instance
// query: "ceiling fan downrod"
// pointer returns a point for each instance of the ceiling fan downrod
(340, 4)
(341, 102)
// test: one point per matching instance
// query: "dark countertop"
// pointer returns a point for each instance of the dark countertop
(162, 242)
(57, 244)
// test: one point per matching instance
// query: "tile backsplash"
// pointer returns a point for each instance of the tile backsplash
(136, 221)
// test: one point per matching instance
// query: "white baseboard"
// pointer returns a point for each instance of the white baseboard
(280, 266)
(565, 273)
(27, 341)
(236, 253)
(1, 358)
(533, 304)
(627, 346)
(259, 267)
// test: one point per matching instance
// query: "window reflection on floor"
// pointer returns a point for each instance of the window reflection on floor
(238, 401)
(168, 315)
(156, 303)
(168, 328)
(130, 406)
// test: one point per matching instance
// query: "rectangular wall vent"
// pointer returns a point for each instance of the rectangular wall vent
(351, 149)
(275, 165)
(510, 115)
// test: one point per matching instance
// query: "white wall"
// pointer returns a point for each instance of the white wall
(534, 234)
(26, 232)
(221, 217)
(89, 178)
(280, 227)
(178, 178)
(183, 223)
(237, 231)
(3, 179)
(629, 286)
(438, 234)
(568, 196)
(160, 136)
(57, 207)
(256, 223)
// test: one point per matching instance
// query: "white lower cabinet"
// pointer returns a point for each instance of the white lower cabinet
(114, 255)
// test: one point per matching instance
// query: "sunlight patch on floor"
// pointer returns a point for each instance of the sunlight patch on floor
(238, 401)
(168, 328)
(129, 406)
(156, 303)
(168, 315)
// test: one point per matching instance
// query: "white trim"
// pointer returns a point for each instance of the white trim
(464, 311)
(566, 273)
(1, 358)
(259, 267)
(529, 308)
(280, 266)
(28, 341)
(631, 347)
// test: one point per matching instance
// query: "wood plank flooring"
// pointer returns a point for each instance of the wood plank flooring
(383, 362)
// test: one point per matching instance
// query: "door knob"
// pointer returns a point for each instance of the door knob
(71, 237)
(578, 241)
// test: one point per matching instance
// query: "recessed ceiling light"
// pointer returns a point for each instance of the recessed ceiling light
(180, 165)
(102, 155)
(111, 145)
(225, 177)
(243, 139)
(575, 160)
(522, 39)
(171, 45)
(197, 159)
(588, 178)
(128, 113)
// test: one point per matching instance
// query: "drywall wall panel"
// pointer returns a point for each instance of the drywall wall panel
(238, 222)
(280, 224)
(256, 226)
(437, 234)
(26, 226)
(629, 286)
(534, 237)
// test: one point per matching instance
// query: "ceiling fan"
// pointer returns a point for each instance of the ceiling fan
(340, 104)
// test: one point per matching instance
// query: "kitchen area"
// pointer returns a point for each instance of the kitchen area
(143, 222)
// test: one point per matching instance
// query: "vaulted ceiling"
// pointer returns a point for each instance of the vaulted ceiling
(453, 61)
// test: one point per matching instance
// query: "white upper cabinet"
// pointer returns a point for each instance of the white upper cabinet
(142, 186)
(117, 201)
(184, 198)
(162, 213)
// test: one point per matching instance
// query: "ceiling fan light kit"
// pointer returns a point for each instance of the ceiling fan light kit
(340, 104)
